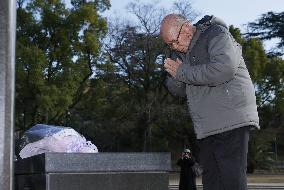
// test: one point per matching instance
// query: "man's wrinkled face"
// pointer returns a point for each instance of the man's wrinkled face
(179, 38)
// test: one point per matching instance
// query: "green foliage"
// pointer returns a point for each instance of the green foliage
(267, 74)
(57, 49)
(254, 54)
(255, 57)
(132, 111)
(113, 92)
(236, 33)
(269, 25)
(260, 155)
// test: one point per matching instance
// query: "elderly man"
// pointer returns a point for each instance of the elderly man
(207, 67)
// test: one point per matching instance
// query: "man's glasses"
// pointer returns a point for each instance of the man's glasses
(170, 44)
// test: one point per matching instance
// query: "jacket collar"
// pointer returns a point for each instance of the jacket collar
(202, 25)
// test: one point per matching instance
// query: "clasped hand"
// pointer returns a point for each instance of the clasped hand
(171, 66)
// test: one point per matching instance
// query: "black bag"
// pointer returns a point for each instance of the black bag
(197, 169)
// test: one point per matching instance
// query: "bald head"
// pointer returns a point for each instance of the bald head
(171, 25)
(177, 32)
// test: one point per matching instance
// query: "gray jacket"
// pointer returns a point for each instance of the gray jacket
(215, 80)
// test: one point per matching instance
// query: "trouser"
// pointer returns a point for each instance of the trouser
(224, 160)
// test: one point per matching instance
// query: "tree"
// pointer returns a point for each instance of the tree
(266, 72)
(141, 114)
(270, 25)
(139, 53)
(57, 49)
(185, 8)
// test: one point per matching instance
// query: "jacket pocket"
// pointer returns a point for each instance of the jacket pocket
(242, 93)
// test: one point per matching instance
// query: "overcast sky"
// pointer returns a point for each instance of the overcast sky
(233, 12)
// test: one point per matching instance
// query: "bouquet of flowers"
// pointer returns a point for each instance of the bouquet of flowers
(49, 138)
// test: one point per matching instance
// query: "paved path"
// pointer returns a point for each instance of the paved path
(255, 182)
(254, 186)
(251, 186)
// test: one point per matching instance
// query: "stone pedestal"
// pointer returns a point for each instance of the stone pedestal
(102, 171)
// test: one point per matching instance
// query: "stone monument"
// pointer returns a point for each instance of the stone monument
(93, 171)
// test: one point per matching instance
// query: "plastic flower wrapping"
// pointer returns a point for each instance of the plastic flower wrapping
(49, 138)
